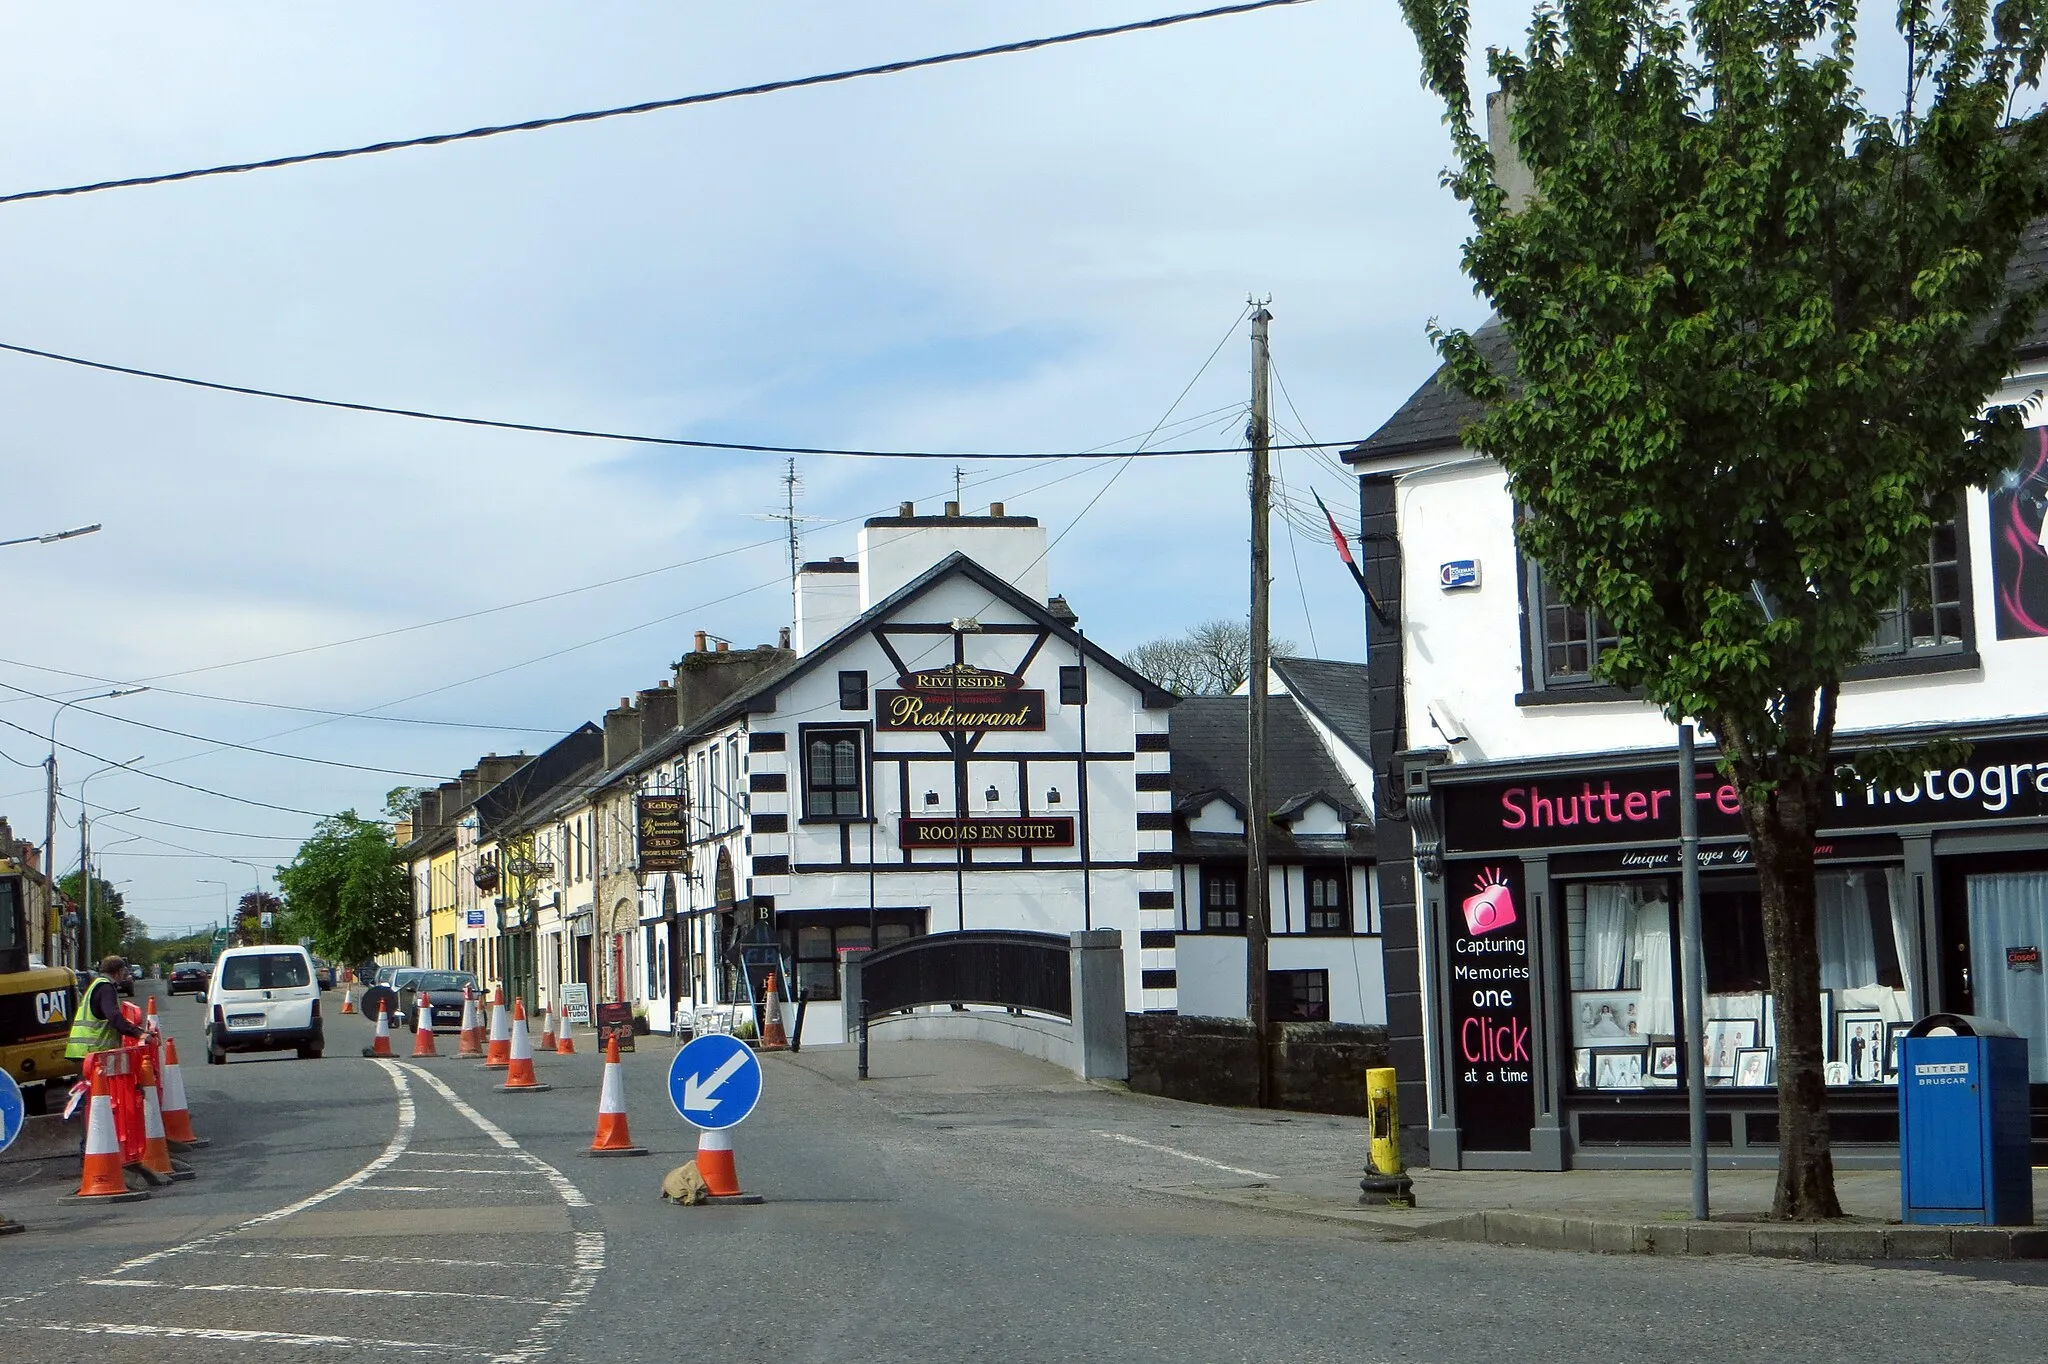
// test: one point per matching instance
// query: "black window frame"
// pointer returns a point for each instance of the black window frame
(1948, 590)
(809, 735)
(1214, 878)
(1335, 920)
(853, 689)
(1301, 995)
(1073, 685)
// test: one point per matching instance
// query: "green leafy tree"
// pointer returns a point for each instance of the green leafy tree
(1755, 329)
(249, 912)
(400, 800)
(348, 889)
(109, 913)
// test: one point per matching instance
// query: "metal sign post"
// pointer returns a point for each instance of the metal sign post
(1694, 970)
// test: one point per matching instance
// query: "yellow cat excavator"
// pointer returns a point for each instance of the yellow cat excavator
(36, 1001)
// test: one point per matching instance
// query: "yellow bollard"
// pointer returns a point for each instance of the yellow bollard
(1386, 1181)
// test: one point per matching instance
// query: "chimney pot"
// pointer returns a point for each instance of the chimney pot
(995, 509)
(952, 509)
(782, 639)
(700, 641)
(906, 509)
(723, 646)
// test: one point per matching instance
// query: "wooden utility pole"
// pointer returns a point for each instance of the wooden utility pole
(1255, 911)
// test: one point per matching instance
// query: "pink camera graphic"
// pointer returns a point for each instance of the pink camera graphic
(1492, 908)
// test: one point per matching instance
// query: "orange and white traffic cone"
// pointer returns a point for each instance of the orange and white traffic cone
(100, 1176)
(149, 1022)
(156, 1151)
(721, 1175)
(612, 1137)
(423, 1031)
(348, 999)
(565, 1043)
(177, 1117)
(547, 1028)
(774, 1037)
(380, 1045)
(471, 1043)
(519, 1063)
(498, 1054)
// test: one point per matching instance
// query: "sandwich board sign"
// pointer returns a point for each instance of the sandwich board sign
(576, 1002)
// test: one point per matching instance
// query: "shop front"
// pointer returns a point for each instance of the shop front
(1551, 918)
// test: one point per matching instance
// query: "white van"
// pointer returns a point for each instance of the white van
(263, 999)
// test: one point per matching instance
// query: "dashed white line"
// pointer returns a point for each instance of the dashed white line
(222, 1333)
(380, 1259)
(305, 1290)
(1184, 1155)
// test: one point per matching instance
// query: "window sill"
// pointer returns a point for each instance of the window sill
(1916, 665)
(1588, 694)
(836, 819)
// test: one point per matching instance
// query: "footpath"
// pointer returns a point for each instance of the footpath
(1308, 1165)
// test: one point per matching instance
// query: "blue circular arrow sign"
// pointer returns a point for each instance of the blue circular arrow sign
(12, 1113)
(715, 1081)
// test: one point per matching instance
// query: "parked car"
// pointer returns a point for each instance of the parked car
(323, 973)
(188, 978)
(263, 999)
(85, 979)
(443, 991)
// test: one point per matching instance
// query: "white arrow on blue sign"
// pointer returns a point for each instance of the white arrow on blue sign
(715, 1081)
(12, 1112)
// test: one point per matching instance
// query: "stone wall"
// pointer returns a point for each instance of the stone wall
(1317, 1067)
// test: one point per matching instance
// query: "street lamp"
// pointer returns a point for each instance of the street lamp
(50, 763)
(53, 537)
(85, 834)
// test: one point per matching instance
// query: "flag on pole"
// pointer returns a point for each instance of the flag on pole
(1343, 544)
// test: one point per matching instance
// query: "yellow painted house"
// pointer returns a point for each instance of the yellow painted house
(441, 909)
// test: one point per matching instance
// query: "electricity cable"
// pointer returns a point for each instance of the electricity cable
(653, 106)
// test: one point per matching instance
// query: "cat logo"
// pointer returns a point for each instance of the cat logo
(53, 1006)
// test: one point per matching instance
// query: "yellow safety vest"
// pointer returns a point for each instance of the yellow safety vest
(89, 1032)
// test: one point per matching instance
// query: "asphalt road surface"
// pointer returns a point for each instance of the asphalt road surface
(351, 1208)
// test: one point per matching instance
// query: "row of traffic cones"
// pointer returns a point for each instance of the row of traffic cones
(166, 1123)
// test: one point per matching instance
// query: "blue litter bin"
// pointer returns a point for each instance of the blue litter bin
(1965, 1152)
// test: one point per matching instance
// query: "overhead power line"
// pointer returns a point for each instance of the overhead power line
(585, 433)
(654, 106)
(169, 781)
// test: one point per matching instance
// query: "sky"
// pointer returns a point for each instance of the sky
(1046, 251)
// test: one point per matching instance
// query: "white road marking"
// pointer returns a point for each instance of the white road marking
(380, 1259)
(589, 1252)
(448, 1170)
(1184, 1155)
(252, 1337)
(404, 1188)
(474, 1155)
(396, 1148)
(302, 1290)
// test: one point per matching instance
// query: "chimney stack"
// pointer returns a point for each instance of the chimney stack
(995, 509)
(657, 712)
(952, 509)
(621, 733)
(906, 509)
(698, 645)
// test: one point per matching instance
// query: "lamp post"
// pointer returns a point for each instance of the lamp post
(53, 537)
(50, 763)
(85, 836)
(256, 888)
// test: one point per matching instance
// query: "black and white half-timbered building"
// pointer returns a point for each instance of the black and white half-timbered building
(946, 751)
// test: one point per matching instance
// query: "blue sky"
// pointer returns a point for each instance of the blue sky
(1031, 252)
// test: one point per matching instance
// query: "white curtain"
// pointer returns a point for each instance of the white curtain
(1905, 937)
(2010, 909)
(1653, 934)
(1610, 913)
(1848, 949)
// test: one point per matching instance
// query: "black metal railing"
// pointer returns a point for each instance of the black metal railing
(980, 966)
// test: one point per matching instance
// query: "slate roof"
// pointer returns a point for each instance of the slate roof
(1335, 693)
(1435, 414)
(516, 797)
(1209, 745)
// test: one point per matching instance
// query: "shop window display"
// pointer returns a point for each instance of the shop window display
(1624, 977)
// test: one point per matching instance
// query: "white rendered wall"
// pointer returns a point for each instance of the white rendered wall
(891, 556)
(826, 603)
(1463, 649)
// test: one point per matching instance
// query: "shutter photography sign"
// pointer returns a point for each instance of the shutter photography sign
(1487, 932)
(663, 839)
(1055, 831)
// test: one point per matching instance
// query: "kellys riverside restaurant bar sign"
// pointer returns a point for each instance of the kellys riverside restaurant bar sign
(664, 842)
(961, 697)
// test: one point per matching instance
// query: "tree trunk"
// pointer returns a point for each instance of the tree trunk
(1781, 835)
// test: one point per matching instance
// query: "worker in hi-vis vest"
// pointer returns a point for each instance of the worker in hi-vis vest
(99, 1024)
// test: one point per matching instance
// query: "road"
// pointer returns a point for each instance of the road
(367, 1209)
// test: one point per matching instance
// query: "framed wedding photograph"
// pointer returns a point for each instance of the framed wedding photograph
(1582, 1068)
(1835, 1073)
(1606, 1017)
(1618, 1068)
(1664, 1058)
(1753, 1068)
(1892, 1033)
(1724, 1038)
(1859, 1044)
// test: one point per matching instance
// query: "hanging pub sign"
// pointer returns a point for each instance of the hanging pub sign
(1052, 831)
(960, 679)
(664, 842)
(1487, 931)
